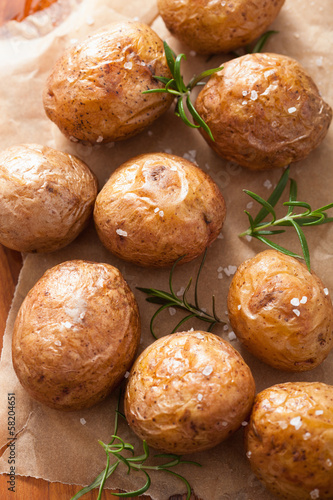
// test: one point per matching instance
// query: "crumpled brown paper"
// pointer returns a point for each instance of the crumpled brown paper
(64, 447)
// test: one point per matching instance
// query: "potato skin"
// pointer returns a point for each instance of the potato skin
(158, 207)
(187, 392)
(210, 27)
(281, 312)
(264, 111)
(46, 198)
(94, 93)
(75, 335)
(289, 440)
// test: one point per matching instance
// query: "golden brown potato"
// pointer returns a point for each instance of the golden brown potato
(94, 93)
(158, 207)
(75, 335)
(210, 26)
(289, 440)
(281, 312)
(188, 392)
(46, 198)
(264, 111)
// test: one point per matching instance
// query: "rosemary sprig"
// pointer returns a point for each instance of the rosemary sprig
(170, 299)
(260, 229)
(117, 447)
(181, 91)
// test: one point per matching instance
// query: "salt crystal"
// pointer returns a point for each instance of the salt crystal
(220, 276)
(268, 184)
(207, 370)
(126, 374)
(307, 436)
(296, 422)
(225, 328)
(224, 424)
(244, 93)
(254, 95)
(249, 205)
(230, 270)
(244, 103)
(90, 21)
(326, 292)
(248, 237)
(232, 336)
(156, 210)
(319, 412)
(200, 396)
(296, 311)
(220, 269)
(161, 213)
(239, 307)
(291, 110)
(99, 138)
(304, 299)
(200, 336)
(329, 462)
(248, 454)
(180, 292)
(57, 342)
(83, 421)
(244, 424)
(121, 232)
(314, 494)
(172, 311)
(294, 301)
(128, 65)
(67, 324)
(220, 236)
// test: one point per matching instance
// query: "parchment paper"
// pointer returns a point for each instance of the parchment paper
(63, 447)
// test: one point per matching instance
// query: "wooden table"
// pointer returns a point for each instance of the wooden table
(28, 488)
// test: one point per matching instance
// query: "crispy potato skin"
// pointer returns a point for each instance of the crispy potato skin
(46, 198)
(289, 440)
(188, 392)
(158, 207)
(94, 93)
(281, 312)
(75, 335)
(209, 27)
(264, 111)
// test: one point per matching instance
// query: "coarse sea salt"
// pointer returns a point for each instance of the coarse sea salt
(296, 311)
(199, 397)
(254, 95)
(83, 421)
(296, 422)
(303, 300)
(294, 301)
(232, 336)
(319, 412)
(128, 65)
(172, 311)
(326, 292)
(121, 232)
(207, 370)
(291, 110)
(314, 494)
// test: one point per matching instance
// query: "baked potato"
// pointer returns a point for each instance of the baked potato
(264, 111)
(289, 440)
(210, 27)
(75, 335)
(281, 312)
(46, 198)
(156, 208)
(187, 392)
(94, 92)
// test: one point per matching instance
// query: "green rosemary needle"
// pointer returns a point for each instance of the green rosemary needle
(181, 91)
(170, 299)
(124, 454)
(260, 229)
